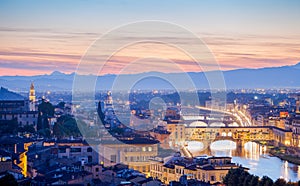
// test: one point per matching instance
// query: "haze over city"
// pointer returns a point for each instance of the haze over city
(150, 93)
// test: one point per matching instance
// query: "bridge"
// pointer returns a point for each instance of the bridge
(240, 135)
(210, 120)
(235, 126)
(181, 133)
(213, 116)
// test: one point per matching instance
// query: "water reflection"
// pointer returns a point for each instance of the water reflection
(256, 157)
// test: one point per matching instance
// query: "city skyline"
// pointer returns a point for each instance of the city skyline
(135, 93)
(42, 37)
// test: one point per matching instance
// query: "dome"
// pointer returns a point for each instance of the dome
(198, 124)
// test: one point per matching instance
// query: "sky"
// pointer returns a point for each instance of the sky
(39, 37)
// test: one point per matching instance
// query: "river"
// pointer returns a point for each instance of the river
(256, 157)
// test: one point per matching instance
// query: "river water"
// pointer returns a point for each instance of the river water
(257, 158)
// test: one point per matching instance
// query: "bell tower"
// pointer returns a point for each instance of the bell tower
(298, 104)
(32, 98)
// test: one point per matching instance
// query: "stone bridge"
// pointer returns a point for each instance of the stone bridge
(240, 135)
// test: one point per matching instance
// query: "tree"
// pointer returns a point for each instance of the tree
(8, 179)
(66, 126)
(266, 181)
(247, 180)
(46, 111)
(234, 176)
(44, 132)
(254, 181)
(61, 105)
(242, 178)
(280, 182)
(27, 128)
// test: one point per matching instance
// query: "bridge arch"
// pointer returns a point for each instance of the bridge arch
(234, 124)
(223, 145)
(198, 124)
(195, 146)
(217, 124)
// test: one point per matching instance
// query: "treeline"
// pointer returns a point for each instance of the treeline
(240, 177)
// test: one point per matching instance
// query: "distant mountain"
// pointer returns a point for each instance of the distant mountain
(273, 77)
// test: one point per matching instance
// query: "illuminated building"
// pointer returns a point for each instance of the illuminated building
(207, 169)
(77, 150)
(296, 132)
(16, 107)
(172, 113)
(298, 104)
(136, 156)
(177, 134)
(162, 135)
(32, 98)
(18, 147)
(109, 100)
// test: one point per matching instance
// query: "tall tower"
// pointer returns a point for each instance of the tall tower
(32, 98)
(109, 100)
(298, 104)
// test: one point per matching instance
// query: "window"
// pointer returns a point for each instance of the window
(113, 158)
(62, 150)
(89, 149)
(97, 169)
(212, 178)
(75, 150)
(144, 149)
(90, 159)
(149, 149)
(221, 176)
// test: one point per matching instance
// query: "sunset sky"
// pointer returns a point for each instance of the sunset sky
(39, 37)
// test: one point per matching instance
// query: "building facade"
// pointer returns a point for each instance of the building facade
(207, 169)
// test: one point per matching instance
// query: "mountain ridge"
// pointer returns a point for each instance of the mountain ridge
(268, 77)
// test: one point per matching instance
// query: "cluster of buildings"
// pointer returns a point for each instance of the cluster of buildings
(13, 106)
(206, 169)
(74, 161)
(133, 157)
(283, 116)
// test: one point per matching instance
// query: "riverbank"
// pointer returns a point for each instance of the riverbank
(284, 153)
(281, 153)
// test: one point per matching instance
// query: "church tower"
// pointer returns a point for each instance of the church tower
(109, 100)
(298, 104)
(32, 98)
